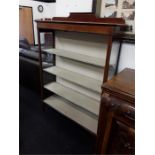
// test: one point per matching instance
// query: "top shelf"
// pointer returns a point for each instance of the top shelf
(83, 22)
(77, 56)
(85, 18)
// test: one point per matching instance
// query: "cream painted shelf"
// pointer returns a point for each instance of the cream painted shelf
(77, 114)
(75, 97)
(76, 56)
(74, 77)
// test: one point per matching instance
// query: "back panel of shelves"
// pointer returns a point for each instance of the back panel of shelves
(78, 77)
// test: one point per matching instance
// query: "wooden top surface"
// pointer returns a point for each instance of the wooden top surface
(122, 85)
(83, 22)
(84, 18)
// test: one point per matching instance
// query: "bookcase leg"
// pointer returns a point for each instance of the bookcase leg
(118, 57)
(40, 65)
(106, 69)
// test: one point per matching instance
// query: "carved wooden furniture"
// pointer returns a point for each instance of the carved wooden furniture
(75, 104)
(116, 128)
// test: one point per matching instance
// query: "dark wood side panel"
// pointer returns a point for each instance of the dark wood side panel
(116, 133)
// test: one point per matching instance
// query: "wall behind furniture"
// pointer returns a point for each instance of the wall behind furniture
(127, 57)
(49, 12)
(64, 7)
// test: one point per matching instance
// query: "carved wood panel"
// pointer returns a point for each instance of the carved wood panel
(116, 134)
(121, 139)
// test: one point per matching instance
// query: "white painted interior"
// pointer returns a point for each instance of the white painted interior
(87, 45)
(75, 97)
(80, 89)
(83, 57)
(75, 77)
(79, 115)
(81, 68)
(49, 12)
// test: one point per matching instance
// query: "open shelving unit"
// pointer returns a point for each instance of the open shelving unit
(72, 111)
(71, 87)
(74, 77)
(78, 57)
(74, 97)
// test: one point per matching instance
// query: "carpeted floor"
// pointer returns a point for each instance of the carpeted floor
(49, 132)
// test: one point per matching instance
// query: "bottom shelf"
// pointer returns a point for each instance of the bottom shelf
(77, 114)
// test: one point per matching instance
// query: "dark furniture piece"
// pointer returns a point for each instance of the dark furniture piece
(29, 73)
(116, 128)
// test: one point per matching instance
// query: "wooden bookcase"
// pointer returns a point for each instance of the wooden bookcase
(79, 107)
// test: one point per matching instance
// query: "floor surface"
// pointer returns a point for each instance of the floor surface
(49, 132)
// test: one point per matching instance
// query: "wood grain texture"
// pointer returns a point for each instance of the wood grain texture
(116, 133)
(26, 24)
(123, 83)
(83, 22)
(88, 18)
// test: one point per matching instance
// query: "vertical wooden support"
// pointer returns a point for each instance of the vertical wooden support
(118, 57)
(40, 62)
(41, 66)
(104, 124)
(53, 44)
(106, 69)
